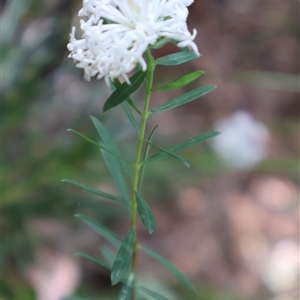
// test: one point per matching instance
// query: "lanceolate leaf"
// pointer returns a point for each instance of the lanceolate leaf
(168, 265)
(184, 145)
(123, 258)
(116, 84)
(94, 259)
(171, 154)
(176, 58)
(109, 257)
(93, 191)
(117, 175)
(152, 294)
(130, 116)
(103, 231)
(146, 156)
(180, 82)
(145, 213)
(112, 162)
(183, 99)
(125, 90)
(131, 103)
(98, 145)
(127, 288)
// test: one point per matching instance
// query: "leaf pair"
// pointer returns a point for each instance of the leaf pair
(114, 161)
(123, 259)
(122, 262)
(124, 256)
(122, 92)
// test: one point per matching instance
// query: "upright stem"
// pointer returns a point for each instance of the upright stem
(137, 163)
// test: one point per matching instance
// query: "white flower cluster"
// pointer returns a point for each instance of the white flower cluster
(116, 33)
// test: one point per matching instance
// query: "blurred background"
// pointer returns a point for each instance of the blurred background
(229, 223)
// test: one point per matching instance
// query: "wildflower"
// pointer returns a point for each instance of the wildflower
(116, 33)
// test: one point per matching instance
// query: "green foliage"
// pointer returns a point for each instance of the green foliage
(130, 116)
(166, 152)
(123, 258)
(183, 145)
(127, 288)
(131, 103)
(112, 162)
(183, 99)
(93, 191)
(169, 266)
(103, 231)
(101, 147)
(125, 91)
(115, 85)
(122, 266)
(146, 152)
(109, 257)
(94, 260)
(145, 213)
(152, 294)
(180, 82)
(176, 58)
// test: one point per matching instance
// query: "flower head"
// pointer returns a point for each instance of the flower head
(116, 33)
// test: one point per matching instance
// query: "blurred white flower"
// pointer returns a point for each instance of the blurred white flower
(243, 142)
(282, 270)
(116, 34)
(54, 277)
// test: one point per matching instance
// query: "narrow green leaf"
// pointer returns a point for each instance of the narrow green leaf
(93, 191)
(112, 163)
(110, 144)
(131, 103)
(152, 294)
(176, 58)
(109, 257)
(94, 260)
(146, 156)
(117, 175)
(98, 145)
(127, 288)
(171, 154)
(123, 258)
(125, 90)
(103, 231)
(116, 84)
(145, 213)
(180, 82)
(184, 145)
(168, 265)
(130, 116)
(183, 99)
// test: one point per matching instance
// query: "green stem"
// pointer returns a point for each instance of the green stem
(137, 163)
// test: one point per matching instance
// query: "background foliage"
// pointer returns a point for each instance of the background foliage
(223, 227)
